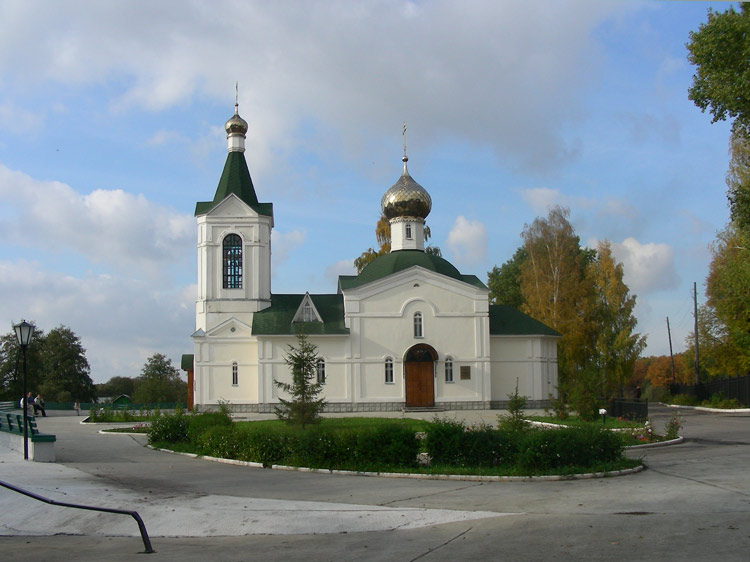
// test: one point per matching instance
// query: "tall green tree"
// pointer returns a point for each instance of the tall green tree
(304, 404)
(728, 288)
(556, 288)
(719, 356)
(66, 372)
(720, 50)
(616, 342)
(116, 386)
(504, 282)
(738, 181)
(159, 382)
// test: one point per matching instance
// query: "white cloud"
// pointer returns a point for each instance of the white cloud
(511, 74)
(108, 227)
(121, 321)
(647, 267)
(283, 243)
(467, 241)
(341, 267)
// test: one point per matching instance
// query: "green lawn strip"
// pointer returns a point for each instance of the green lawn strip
(574, 421)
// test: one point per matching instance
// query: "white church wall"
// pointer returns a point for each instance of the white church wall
(532, 360)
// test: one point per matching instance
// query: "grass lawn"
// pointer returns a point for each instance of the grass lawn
(575, 421)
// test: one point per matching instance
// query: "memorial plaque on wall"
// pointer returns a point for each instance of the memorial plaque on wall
(465, 372)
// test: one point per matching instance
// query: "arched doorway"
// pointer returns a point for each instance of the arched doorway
(419, 374)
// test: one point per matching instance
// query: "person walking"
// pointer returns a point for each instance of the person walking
(77, 408)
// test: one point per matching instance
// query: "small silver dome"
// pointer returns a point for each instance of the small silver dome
(406, 198)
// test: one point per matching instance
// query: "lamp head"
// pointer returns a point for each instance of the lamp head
(24, 332)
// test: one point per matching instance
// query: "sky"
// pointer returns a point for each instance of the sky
(111, 129)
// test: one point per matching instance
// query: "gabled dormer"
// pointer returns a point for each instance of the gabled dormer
(307, 311)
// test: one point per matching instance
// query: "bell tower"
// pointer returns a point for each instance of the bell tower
(234, 241)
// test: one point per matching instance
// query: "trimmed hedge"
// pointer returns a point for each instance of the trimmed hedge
(393, 446)
(530, 451)
(214, 434)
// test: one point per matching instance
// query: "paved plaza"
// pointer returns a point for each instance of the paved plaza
(693, 503)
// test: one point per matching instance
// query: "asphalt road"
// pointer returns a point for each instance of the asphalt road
(693, 503)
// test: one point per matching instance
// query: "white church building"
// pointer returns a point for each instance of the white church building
(410, 331)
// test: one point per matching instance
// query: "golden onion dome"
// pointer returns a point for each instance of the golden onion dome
(236, 124)
(406, 198)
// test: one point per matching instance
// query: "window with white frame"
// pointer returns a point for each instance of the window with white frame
(389, 371)
(418, 332)
(235, 374)
(320, 368)
(408, 231)
(448, 369)
(232, 261)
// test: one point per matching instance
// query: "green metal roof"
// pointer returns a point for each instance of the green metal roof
(187, 362)
(277, 319)
(391, 263)
(508, 321)
(235, 179)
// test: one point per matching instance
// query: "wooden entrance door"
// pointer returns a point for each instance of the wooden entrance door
(420, 384)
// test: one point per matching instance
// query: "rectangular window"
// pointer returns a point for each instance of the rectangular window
(235, 374)
(389, 371)
(448, 370)
(408, 232)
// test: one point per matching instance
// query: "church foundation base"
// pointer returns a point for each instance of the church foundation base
(349, 408)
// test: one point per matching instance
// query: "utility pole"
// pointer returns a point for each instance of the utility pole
(695, 313)
(671, 356)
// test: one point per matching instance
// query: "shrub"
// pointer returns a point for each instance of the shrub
(200, 423)
(171, 428)
(443, 441)
(452, 443)
(569, 447)
(683, 400)
(718, 400)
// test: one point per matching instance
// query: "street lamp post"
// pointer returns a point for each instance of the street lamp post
(24, 332)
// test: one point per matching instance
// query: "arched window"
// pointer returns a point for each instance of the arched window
(320, 368)
(418, 333)
(448, 369)
(389, 371)
(235, 374)
(232, 261)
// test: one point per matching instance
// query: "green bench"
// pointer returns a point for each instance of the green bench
(42, 444)
(13, 423)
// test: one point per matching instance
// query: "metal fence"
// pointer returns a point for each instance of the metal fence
(635, 410)
(738, 388)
